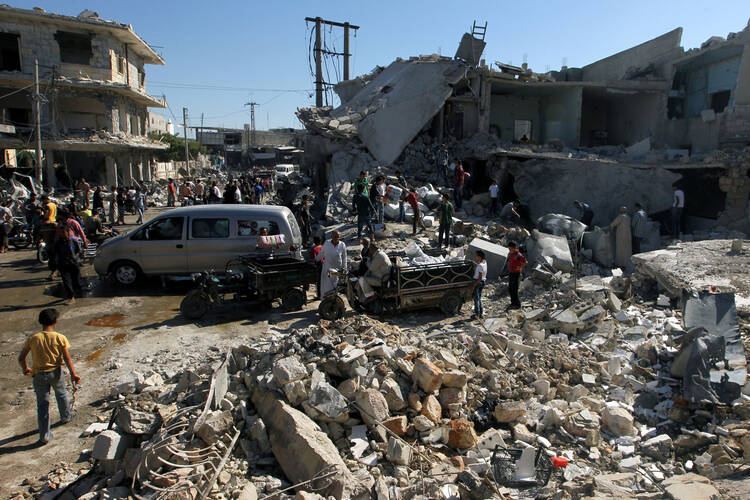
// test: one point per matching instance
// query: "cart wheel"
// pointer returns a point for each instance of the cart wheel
(451, 303)
(194, 305)
(293, 299)
(331, 308)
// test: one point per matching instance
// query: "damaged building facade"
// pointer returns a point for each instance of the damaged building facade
(654, 107)
(94, 111)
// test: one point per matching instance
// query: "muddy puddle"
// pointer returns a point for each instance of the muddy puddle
(108, 320)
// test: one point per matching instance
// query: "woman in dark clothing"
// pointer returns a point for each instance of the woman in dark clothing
(121, 197)
(66, 256)
(98, 201)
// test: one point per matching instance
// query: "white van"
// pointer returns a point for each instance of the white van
(283, 170)
(193, 239)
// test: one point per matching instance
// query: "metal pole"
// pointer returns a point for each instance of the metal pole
(38, 117)
(318, 65)
(346, 51)
(187, 151)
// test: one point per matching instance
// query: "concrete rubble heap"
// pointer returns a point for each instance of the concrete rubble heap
(360, 408)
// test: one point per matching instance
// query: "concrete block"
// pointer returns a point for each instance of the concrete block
(708, 115)
(640, 148)
(110, 445)
(554, 250)
(428, 220)
(496, 255)
(398, 452)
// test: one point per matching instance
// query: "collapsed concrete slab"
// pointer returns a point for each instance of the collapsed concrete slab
(552, 249)
(551, 186)
(388, 112)
(302, 450)
(496, 256)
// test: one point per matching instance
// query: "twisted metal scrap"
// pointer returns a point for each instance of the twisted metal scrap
(202, 465)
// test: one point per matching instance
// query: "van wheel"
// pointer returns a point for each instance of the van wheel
(450, 303)
(194, 305)
(331, 308)
(126, 273)
(293, 299)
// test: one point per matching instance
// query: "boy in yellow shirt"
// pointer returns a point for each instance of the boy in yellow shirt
(48, 351)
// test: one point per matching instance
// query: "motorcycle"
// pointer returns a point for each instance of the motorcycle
(20, 235)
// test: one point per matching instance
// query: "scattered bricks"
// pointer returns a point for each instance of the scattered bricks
(454, 378)
(431, 408)
(397, 425)
(522, 433)
(215, 426)
(398, 452)
(509, 411)
(659, 448)
(422, 423)
(483, 356)
(461, 434)
(110, 445)
(427, 376)
(618, 421)
(415, 402)
(393, 395)
(374, 407)
(288, 370)
(452, 395)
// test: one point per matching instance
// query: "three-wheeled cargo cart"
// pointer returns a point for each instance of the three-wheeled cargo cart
(445, 285)
(251, 279)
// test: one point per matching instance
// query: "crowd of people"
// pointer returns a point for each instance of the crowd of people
(245, 189)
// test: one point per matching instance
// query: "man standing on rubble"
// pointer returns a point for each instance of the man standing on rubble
(623, 240)
(678, 206)
(494, 197)
(362, 181)
(460, 176)
(363, 209)
(639, 227)
(441, 166)
(411, 199)
(516, 263)
(446, 220)
(304, 217)
(49, 350)
(480, 277)
(585, 214)
(333, 256)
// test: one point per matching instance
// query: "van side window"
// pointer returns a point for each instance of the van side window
(169, 228)
(210, 228)
(257, 228)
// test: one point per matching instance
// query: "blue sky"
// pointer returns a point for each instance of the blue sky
(255, 51)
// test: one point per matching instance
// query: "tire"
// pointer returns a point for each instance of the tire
(450, 303)
(331, 308)
(293, 299)
(41, 254)
(126, 273)
(194, 305)
(22, 240)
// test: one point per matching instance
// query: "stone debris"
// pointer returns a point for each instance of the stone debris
(351, 408)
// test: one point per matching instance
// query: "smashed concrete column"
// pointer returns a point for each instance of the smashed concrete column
(110, 445)
(554, 250)
(302, 450)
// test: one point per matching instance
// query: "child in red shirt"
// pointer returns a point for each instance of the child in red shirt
(516, 263)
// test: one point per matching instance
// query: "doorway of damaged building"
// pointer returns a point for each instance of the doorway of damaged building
(704, 200)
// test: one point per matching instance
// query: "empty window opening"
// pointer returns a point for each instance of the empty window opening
(141, 78)
(720, 100)
(120, 65)
(75, 48)
(19, 117)
(10, 52)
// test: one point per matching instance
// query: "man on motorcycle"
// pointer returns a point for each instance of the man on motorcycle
(6, 224)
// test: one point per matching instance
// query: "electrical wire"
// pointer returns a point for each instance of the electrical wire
(16, 91)
(198, 86)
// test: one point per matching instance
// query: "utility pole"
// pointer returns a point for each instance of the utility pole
(200, 141)
(318, 66)
(346, 51)
(38, 118)
(319, 51)
(187, 150)
(252, 121)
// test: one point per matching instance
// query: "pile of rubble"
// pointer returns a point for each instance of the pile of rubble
(359, 407)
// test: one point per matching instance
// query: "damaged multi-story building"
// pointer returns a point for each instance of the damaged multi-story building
(94, 111)
(618, 131)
